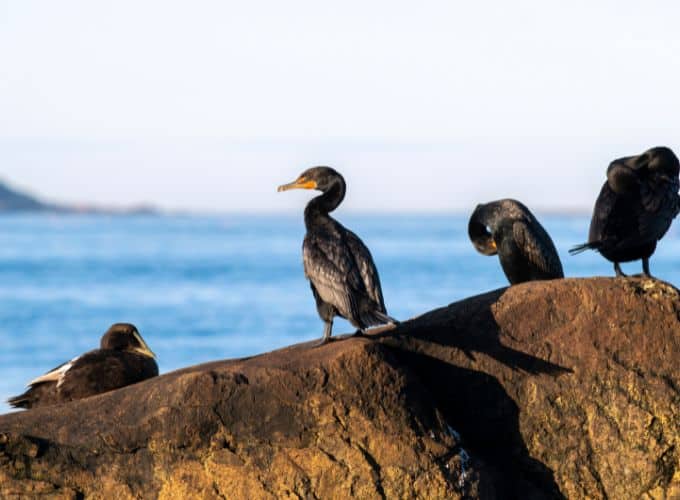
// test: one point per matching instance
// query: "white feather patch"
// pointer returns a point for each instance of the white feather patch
(55, 375)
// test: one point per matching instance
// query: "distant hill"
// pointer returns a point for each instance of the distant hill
(12, 200)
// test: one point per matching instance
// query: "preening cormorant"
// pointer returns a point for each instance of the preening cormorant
(635, 207)
(340, 268)
(509, 229)
(122, 359)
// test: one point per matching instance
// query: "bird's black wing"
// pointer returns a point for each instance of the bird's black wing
(661, 205)
(623, 179)
(367, 270)
(601, 223)
(104, 370)
(538, 248)
(330, 266)
(92, 373)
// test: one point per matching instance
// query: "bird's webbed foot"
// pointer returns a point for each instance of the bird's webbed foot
(324, 340)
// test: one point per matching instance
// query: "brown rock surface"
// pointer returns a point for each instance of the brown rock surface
(561, 388)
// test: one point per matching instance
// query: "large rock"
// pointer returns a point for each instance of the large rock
(567, 388)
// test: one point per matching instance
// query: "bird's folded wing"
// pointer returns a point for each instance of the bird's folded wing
(95, 372)
(661, 205)
(530, 243)
(56, 374)
(331, 268)
(660, 195)
(367, 270)
(622, 179)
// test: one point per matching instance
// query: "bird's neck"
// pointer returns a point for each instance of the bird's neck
(318, 208)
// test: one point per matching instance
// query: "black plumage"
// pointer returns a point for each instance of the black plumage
(341, 271)
(635, 207)
(524, 248)
(122, 359)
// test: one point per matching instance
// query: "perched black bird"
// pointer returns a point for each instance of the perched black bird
(123, 359)
(340, 268)
(635, 208)
(509, 229)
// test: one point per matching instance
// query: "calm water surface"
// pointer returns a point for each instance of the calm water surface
(206, 288)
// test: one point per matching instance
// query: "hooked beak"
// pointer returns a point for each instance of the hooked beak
(144, 349)
(485, 246)
(300, 183)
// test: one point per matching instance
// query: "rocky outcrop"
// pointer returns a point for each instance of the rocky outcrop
(567, 388)
(573, 383)
(12, 200)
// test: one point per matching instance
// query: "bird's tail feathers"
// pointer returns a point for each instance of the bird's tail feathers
(585, 246)
(385, 318)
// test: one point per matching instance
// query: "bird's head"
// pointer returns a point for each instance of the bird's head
(319, 178)
(656, 164)
(488, 217)
(125, 337)
(480, 233)
(661, 160)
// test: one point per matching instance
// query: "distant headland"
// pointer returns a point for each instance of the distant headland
(15, 201)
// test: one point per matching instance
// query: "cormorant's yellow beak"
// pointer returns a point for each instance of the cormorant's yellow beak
(492, 244)
(144, 349)
(300, 183)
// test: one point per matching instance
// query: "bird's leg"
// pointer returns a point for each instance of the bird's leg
(645, 268)
(327, 331)
(359, 333)
(619, 273)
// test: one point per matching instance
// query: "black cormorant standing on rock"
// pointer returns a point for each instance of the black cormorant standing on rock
(635, 208)
(509, 229)
(340, 268)
(122, 359)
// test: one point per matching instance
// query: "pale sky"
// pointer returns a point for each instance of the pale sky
(424, 106)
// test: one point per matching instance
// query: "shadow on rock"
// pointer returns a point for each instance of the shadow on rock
(470, 326)
(475, 403)
(477, 407)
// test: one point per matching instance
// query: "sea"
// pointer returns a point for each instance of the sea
(203, 288)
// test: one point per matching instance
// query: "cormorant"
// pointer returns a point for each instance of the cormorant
(340, 268)
(122, 359)
(509, 229)
(635, 207)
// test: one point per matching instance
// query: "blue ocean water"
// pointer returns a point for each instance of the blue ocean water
(201, 288)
